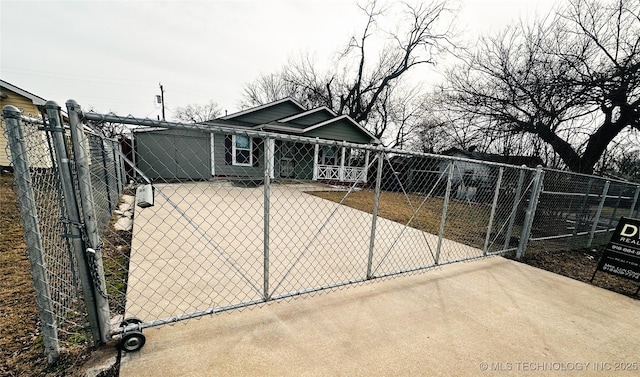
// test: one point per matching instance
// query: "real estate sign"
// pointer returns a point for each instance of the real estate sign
(622, 255)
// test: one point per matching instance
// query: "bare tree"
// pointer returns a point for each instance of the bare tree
(108, 129)
(571, 81)
(627, 165)
(440, 130)
(198, 113)
(363, 80)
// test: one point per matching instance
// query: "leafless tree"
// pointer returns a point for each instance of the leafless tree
(196, 113)
(363, 81)
(572, 81)
(440, 131)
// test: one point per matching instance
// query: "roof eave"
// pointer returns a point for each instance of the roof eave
(36, 100)
(266, 105)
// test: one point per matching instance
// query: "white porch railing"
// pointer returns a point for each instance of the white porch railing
(338, 173)
(354, 173)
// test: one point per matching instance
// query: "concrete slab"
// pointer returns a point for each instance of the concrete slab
(201, 246)
(488, 317)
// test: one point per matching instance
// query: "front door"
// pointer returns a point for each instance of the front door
(287, 162)
(287, 168)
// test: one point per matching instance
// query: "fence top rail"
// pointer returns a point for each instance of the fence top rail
(224, 128)
(612, 180)
(40, 121)
(582, 194)
(33, 120)
(10, 111)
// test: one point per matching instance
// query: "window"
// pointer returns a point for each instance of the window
(287, 149)
(242, 150)
(328, 155)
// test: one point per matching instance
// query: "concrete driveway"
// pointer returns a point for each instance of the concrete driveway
(487, 317)
(490, 317)
(201, 246)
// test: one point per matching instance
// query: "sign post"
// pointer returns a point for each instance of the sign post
(622, 255)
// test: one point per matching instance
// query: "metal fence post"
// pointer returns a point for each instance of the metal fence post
(514, 210)
(376, 201)
(615, 211)
(493, 210)
(105, 174)
(94, 256)
(583, 208)
(33, 238)
(56, 129)
(596, 220)
(268, 161)
(117, 167)
(445, 207)
(531, 212)
(635, 201)
(341, 174)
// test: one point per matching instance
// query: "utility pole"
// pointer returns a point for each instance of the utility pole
(162, 99)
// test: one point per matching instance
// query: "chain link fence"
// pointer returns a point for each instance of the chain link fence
(578, 211)
(53, 266)
(233, 217)
(40, 152)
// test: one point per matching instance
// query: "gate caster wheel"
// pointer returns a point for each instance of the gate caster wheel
(130, 321)
(132, 341)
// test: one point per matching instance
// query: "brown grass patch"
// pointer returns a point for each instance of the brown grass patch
(466, 223)
(423, 214)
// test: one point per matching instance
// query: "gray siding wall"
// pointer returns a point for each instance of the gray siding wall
(221, 167)
(174, 154)
(341, 131)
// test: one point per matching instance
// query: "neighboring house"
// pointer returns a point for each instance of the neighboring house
(528, 161)
(195, 154)
(30, 105)
(470, 180)
(475, 179)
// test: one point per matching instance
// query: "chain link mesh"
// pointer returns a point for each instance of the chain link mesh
(577, 211)
(240, 217)
(64, 297)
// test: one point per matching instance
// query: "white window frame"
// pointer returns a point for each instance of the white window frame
(324, 158)
(234, 149)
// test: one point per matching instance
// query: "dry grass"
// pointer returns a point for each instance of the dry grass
(466, 222)
(21, 348)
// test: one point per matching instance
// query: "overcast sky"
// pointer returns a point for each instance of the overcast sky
(111, 56)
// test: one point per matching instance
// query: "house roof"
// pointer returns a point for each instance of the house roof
(307, 113)
(342, 117)
(290, 123)
(530, 161)
(262, 107)
(36, 100)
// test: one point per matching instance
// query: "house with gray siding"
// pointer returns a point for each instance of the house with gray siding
(201, 154)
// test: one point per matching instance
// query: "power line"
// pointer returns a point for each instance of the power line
(82, 78)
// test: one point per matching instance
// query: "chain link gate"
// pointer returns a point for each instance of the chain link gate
(51, 180)
(286, 215)
(239, 217)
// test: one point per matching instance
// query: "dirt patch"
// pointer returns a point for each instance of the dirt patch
(580, 265)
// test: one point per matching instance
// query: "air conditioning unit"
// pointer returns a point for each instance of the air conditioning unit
(144, 196)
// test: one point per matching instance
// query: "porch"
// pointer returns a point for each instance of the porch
(335, 163)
